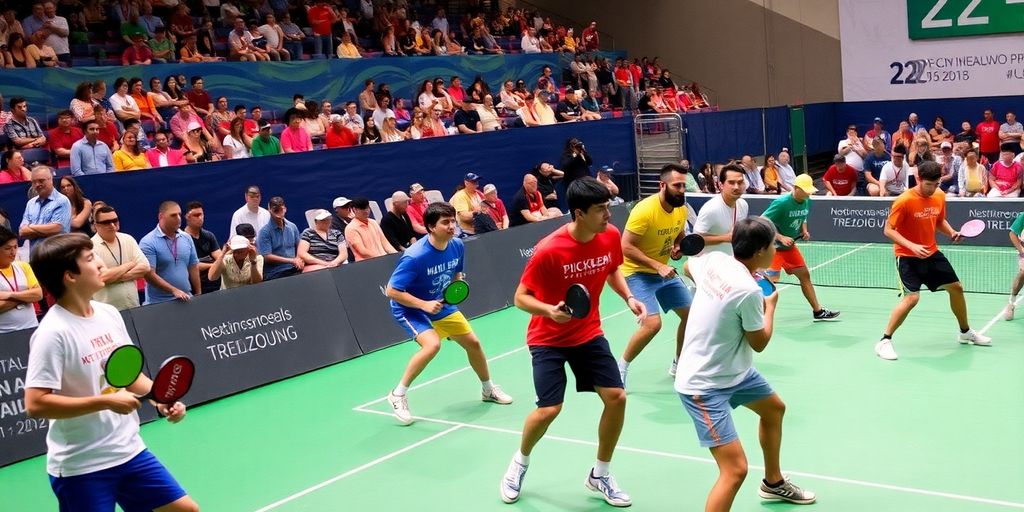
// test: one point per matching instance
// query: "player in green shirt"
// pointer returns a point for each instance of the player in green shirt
(789, 214)
(1018, 281)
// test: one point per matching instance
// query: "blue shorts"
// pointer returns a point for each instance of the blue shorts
(653, 291)
(141, 484)
(712, 411)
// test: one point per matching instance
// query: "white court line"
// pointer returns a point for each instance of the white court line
(1000, 314)
(815, 476)
(351, 472)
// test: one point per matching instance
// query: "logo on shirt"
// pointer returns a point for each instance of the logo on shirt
(928, 213)
(442, 267)
(587, 267)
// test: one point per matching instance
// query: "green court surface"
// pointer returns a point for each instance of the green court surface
(941, 429)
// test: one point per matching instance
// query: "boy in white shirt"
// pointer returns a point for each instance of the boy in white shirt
(719, 214)
(730, 319)
(95, 456)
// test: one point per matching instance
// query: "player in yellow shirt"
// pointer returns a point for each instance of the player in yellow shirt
(647, 243)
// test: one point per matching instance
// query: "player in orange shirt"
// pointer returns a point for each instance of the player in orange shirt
(913, 220)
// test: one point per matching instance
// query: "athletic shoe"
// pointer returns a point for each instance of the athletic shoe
(884, 350)
(400, 408)
(497, 396)
(512, 482)
(672, 369)
(1008, 312)
(622, 375)
(974, 337)
(609, 490)
(788, 491)
(825, 314)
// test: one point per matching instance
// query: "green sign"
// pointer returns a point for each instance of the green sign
(931, 19)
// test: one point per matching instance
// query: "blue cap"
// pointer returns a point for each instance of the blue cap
(471, 177)
(606, 169)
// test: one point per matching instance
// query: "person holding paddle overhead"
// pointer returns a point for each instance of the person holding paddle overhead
(586, 253)
(789, 215)
(914, 218)
(647, 243)
(424, 289)
(95, 455)
(719, 214)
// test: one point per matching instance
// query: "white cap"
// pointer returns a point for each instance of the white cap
(336, 118)
(488, 188)
(238, 242)
(193, 126)
(340, 202)
(415, 187)
(945, 144)
(322, 214)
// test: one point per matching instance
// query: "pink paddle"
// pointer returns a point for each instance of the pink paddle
(972, 228)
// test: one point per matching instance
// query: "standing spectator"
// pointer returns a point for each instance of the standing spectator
(63, 137)
(364, 235)
(207, 249)
(55, 31)
(138, 53)
(417, 206)
(89, 155)
(1004, 177)
(840, 179)
(182, 25)
(240, 264)
(199, 98)
(1011, 131)
(251, 212)
(878, 131)
(123, 261)
(367, 98)
(590, 38)
(163, 155)
(988, 137)
(895, 178)
(874, 163)
(19, 289)
(624, 84)
(81, 206)
(397, 224)
(264, 143)
(23, 131)
(275, 37)
(172, 258)
(321, 16)
(46, 214)
(322, 246)
(495, 207)
(278, 242)
(294, 138)
(575, 162)
(293, 36)
(130, 156)
(853, 149)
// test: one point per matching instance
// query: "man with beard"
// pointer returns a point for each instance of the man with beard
(647, 243)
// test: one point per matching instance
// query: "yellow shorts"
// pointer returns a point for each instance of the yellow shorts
(454, 324)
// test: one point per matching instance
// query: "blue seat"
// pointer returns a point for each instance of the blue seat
(83, 61)
(276, 129)
(36, 156)
(79, 50)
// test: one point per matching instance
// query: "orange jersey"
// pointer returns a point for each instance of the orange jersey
(916, 217)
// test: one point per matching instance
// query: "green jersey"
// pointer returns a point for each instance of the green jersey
(1018, 224)
(788, 215)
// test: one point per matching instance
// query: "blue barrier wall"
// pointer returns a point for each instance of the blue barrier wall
(312, 180)
(272, 84)
(721, 136)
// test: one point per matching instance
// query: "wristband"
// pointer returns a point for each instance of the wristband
(630, 297)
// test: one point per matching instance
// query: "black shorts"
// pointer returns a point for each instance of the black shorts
(592, 364)
(933, 272)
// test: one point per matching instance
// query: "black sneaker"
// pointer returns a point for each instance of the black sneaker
(825, 314)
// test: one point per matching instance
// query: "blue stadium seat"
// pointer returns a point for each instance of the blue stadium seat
(78, 50)
(36, 155)
(276, 129)
(83, 61)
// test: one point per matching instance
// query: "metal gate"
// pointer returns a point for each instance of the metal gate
(659, 141)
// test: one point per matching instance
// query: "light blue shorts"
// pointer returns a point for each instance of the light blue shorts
(654, 291)
(712, 411)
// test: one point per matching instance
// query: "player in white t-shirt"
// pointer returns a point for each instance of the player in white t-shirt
(94, 455)
(718, 216)
(729, 320)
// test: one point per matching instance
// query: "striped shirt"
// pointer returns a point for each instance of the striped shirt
(326, 250)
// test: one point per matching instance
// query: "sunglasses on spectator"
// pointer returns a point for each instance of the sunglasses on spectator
(108, 222)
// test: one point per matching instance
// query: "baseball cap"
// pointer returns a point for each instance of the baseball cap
(416, 187)
(607, 169)
(245, 229)
(471, 177)
(838, 158)
(193, 126)
(946, 144)
(322, 214)
(805, 183)
(336, 118)
(341, 202)
(399, 196)
(238, 242)
(488, 188)
(878, 120)
(264, 124)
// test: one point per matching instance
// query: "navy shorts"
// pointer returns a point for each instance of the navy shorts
(934, 272)
(141, 484)
(592, 363)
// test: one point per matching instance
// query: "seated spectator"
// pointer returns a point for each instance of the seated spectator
(20, 53)
(754, 183)
(417, 206)
(920, 151)
(489, 119)
(123, 261)
(382, 111)
(351, 118)
(966, 133)
(229, 13)
(840, 179)
(769, 176)
(23, 131)
(591, 110)
(604, 177)
(90, 155)
(903, 135)
(467, 120)
(348, 50)
(161, 46)
(130, 157)
(131, 28)
(495, 207)
(569, 108)
(940, 134)
(145, 101)
(190, 52)
(389, 132)
(220, 119)
(123, 105)
(81, 206)
(455, 93)
(196, 145)
(952, 166)
(895, 177)
(528, 205)
(199, 97)
(878, 130)
(278, 242)
(236, 143)
(243, 47)
(402, 114)
(433, 126)
(342, 217)
(364, 235)
(249, 126)
(19, 289)
(542, 111)
(707, 179)
(468, 204)
(163, 155)
(239, 264)
(15, 170)
(322, 246)
(107, 128)
(547, 176)
(370, 135)
(509, 99)
(264, 143)
(173, 271)
(1005, 175)
(339, 135)
(295, 138)
(874, 162)
(138, 53)
(293, 36)
(397, 224)
(973, 179)
(63, 137)
(81, 104)
(852, 147)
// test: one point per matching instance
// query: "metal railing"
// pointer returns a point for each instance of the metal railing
(659, 141)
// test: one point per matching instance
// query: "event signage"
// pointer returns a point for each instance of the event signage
(931, 19)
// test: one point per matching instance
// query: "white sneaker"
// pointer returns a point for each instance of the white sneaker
(1008, 312)
(672, 368)
(884, 350)
(496, 395)
(512, 482)
(609, 490)
(788, 491)
(400, 408)
(622, 375)
(974, 337)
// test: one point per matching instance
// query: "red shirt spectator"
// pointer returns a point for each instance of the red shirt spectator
(140, 54)
(1006, 176)
(249, 127)
(842, 180)
(623, 76)
(295, 140)
(173, 156)
(340, 136)
(637, 72)
(108, 133)
(988, 136)
(198, 98)
(591, 40)
(321, 17)
(59, 139)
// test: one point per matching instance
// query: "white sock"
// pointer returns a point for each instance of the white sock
(623, 365)
(487, 385)
(400, 390)
(521, 459)
(601, 468)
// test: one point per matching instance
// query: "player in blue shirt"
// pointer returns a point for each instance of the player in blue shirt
(416, 289)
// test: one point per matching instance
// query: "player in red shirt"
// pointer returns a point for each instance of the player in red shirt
(988, 137)
(587, 251)
(840, 179)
